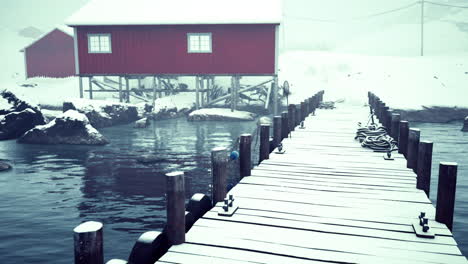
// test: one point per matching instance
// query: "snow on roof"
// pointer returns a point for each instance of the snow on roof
(64, 28)
(177, 12)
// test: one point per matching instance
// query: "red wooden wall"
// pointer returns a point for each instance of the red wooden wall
(51, 56)
(236, 49)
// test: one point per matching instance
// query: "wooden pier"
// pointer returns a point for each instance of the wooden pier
(317, 196)
(325, 199)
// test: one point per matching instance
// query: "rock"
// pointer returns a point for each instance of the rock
(145, 159)
(142, 123)
(4, 166)
(70, 127)
(103, 113)
(19, 117)
(465, 125)
(15, 124)
(220, 114)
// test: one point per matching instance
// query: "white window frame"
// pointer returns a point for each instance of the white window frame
(100, 35)
(189, 47)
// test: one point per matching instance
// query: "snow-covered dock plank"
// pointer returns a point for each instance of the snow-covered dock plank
(325, 199)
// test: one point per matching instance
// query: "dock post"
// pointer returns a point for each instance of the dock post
(446, 193)
(311, 105)
(90, 84)
(424, 166)
(383, 116)
(284, 125)
(298, 115)
(88, 243)
(381, 109)
(219, 160)
(264, 142)
(175, 207)
(245, 159)
(395, 126)
(80, 83)
(276, 131)
(276, 104)
(291, 116)
(303, 110)
(388, 121)
(403, 138)
(412, 152)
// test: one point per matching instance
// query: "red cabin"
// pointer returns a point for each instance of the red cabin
(177, 37)
(52, 55)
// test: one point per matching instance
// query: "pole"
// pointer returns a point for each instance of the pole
(446, 193)
(245, 155)
(264, 142)
(422, 27)
(219, 160)
(197, 95)
(88, 242)
(175, 190)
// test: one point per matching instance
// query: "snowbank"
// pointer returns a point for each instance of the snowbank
(401, 82)
(220, 114)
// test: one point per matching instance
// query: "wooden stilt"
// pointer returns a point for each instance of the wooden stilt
(154, 92)
(127, 84)
(120, 89)
(424, 166)
(90, 83)
(202, 88)
(232, 94)
(80, 82)
(197, 93)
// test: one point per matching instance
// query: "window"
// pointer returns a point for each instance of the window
(99, 43)
(199, 42)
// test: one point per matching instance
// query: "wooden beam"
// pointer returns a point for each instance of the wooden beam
(224, 97)
(154, 92)
(120, 89)
(80, 83)
(127, 84)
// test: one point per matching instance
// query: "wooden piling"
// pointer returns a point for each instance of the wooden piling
(446, 193)
(311, 104)
(412, 152)
(388, 121)
(120, 89)
(284, 125)
(88, 243)
(219, 160)
(245, 155)
(303, 111)
(264, 142)
(175, 207)
(424, 166)
(291, 116)
(276, 130)
(403, 137)
(297, 120)
(197, 93)
(395, 126)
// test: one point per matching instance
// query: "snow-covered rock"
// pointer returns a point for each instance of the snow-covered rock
(142, 123)
(220, 114)
(70, 127)
(17, 116)
(173, 106)
(465, 125)
(103, 113)
(4, 166)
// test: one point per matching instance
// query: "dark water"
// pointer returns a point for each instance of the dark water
(54, 188)
(450, 144)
